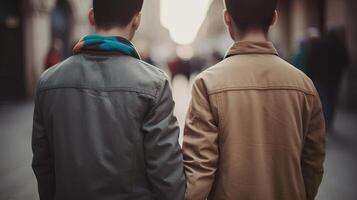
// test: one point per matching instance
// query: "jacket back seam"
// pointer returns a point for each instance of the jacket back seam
(227, 89)
(107, 89)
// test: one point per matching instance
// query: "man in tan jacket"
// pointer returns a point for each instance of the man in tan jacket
(255, 128)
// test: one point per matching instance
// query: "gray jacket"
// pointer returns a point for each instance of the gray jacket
(104, 129)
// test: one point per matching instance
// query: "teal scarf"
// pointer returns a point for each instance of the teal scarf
(111, 44)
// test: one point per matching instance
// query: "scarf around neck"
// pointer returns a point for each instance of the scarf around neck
(110, 44)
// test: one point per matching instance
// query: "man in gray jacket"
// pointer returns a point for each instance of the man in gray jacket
(104, 127)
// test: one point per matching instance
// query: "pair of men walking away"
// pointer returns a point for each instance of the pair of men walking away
(104, 127)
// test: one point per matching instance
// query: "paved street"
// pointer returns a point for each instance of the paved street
(17, 181)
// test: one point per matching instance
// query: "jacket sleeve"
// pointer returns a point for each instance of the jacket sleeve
(200, 147)
(313, 154)
(162, 150)
(42, 164)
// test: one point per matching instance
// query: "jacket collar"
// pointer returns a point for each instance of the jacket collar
(247, 47)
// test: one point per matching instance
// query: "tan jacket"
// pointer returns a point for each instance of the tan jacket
(255, 130)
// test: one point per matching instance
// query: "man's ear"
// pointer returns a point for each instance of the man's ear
(136, 21)
(227, 18)
(91, 17)
(275, 18)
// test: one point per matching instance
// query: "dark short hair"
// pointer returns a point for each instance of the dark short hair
(252, 14)
(112, 13)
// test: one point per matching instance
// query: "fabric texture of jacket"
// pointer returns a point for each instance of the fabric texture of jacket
(104, 129)
(255, 130)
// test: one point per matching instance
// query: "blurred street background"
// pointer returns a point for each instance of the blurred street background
(182, 37)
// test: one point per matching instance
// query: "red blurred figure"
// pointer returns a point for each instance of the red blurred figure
(54, 55)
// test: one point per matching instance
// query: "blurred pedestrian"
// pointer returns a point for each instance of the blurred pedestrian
(326, 61)
(299, 59)
(255, 127)
(178, 66)
(217, 57)
(103, 125)
(144, 51)
(54, 55)
(145, 56)
(173, 66)
(196, 65)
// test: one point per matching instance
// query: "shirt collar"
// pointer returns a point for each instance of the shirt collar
(248, 47)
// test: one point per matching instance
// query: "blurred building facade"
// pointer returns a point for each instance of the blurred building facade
(46, 20)
(28, 27)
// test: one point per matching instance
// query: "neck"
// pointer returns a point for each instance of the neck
(253, 36)
(121, 32)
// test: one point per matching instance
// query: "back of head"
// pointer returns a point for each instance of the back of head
(114, 13)
(252, 14)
